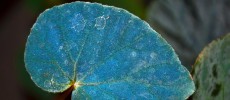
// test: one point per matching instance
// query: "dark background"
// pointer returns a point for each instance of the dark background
(16, 19)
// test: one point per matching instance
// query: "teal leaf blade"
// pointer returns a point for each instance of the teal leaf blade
(105, 52)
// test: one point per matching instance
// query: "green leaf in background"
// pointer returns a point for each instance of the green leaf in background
(105, 53)
(212, 71)
(189, 25)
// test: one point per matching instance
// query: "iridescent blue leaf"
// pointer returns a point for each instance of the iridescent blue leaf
(105, 52)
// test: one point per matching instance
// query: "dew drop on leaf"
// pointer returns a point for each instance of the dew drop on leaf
(77, 22)
(133, 54)
(47, 84)
(153, 55)
(100, 22)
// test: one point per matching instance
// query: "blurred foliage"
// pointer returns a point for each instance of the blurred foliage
(135, 6)
(212, 71)
(188, 25)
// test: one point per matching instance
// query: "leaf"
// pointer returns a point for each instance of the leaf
(212, 71)
(28, 86)
(189, 25)
(105, 53)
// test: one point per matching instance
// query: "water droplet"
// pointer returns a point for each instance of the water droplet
(47, 83)
(66, 62)
(98, 41)
(60, 48)
(100, 22)
(139, 66)
(78, 22)
(139, 46)
(68, 11)
(62, 55)
(130, 21)
(58, 79)
(167, 76)
(133, 54)
(145, 95)
(153, 55)
(42, 45)
(91, 61)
